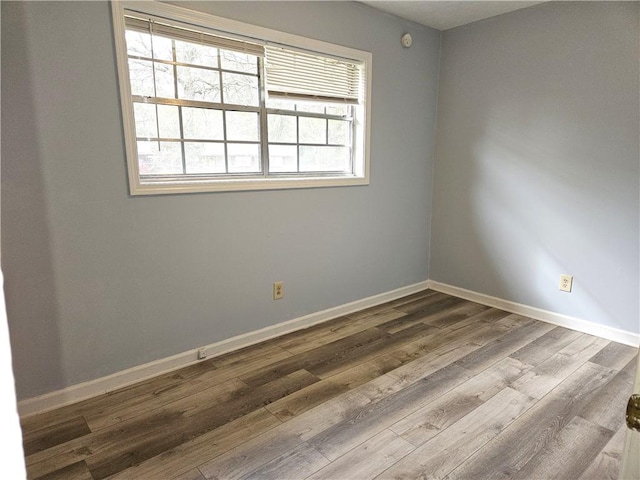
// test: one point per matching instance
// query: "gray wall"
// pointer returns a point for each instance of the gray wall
(97, 281)
(537, 159)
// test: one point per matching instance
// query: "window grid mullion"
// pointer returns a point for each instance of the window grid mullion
(224, 116)
(326, 128)
(175, 93)
(300, 113)
(155, 89)
(191, 65)
(264, 124)
(297, 142)
(193, 103)
(352, 137)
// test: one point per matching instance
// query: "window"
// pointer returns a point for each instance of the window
(213, 104)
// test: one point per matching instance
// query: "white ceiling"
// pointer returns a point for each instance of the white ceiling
(447, 14)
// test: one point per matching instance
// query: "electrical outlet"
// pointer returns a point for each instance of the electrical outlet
(278, 290)
(202, 354)
(566, 282)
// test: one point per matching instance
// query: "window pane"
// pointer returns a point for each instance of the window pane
(243, 157)
(310, 107)
(324, 159)
(240, 62)
(283, 158)
(141, 75)
(198, 84)
(169, 121)
(138, 43)
(282, 128)
(313, 130)
(164, 81)
(281, 104)
(240, 89)
(202, 123)
(162, 49)
(145, 115)
(146, 126)
(158, 158)
(242, 126)
(204, 157)
(187, 52)
(338, 110)
(339, 132)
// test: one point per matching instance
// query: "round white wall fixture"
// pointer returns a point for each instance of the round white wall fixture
(406, 40)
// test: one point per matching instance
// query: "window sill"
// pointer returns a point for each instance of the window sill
(242, 184)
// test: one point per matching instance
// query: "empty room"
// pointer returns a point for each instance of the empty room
(320, 240)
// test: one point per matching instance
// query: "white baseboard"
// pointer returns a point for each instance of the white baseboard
(573, 323)
(92, 388)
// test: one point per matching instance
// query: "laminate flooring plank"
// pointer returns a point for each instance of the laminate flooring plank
(504, 345)
(428, 421)
(34, 441)
(450, 317)
(615, 356)
(452, 346)
(487, 315)
(406, 320)
(343, 361)
(135, 430)
(203, 448)
(410, 335)
(425, 303)
(193, 474)
(308, 341)
(385, 307)
(507, 453)
(368, 459)
(345, 347)
(454, 341)
(296, 464)
(413, 297)
(306, 398)
(367, 421)
(607, 407)
(402, 356)
(339, 356)
(248, 456)
(374, 320)
(183, 428)
(423, 312)
(76, 471)
(327, 332)
(550, 373)
(149, 435)
(542, 348)
(225, 367)
(606, 465)
(560, 459)
(345, 380)
(443, 453)
(206, 378)
(376, 309)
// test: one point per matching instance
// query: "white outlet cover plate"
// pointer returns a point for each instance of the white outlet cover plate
(566, 283)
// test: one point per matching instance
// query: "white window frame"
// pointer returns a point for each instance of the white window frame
(204, 21)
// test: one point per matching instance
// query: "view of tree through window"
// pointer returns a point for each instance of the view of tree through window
(208, 136)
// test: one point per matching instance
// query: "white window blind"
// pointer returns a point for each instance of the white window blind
(156, 27)
(308, 76)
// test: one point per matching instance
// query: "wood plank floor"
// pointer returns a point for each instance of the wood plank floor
(427, 386)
